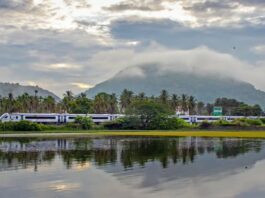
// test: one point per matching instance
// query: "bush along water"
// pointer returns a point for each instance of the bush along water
(156, 123)
(81, 123)
(21, 126)
(238, 123)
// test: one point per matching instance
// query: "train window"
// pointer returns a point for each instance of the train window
(71, 117)
(40, 117)
(100, 118)
(213, 118)
(185, 118)
(201, 118)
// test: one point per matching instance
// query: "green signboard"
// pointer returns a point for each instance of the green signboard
(217, 111)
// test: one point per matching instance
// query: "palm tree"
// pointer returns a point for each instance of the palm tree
(125, 99)
(164, 97)
(36, 92)
(174, 103)
(1, 105)
(191, 105)
(10, 102)
(200, 108)
(113, 108)
(67, 100)
(141, 96)
(49, 104)
(101, 103)
(184, 103)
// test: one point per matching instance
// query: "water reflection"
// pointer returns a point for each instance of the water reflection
(132, 167)
(128, 152)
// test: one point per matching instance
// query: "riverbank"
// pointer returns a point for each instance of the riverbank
(200, 133)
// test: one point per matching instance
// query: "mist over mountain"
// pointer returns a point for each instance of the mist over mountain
(17, 89)
(151, 80)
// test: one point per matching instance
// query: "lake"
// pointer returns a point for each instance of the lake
(130, 167)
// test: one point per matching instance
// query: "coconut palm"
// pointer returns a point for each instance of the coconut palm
(125, 99)
(191, 105)
(164, 96)
(174, 102)
(184, 102)
(101, 103)
(67, 100)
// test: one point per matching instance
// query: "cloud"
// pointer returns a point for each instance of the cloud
(82, 85)
(224, 13)
(16, 5)
(58, 43)
(260, 49)
(78, 4)
(200, 61)
(58, 67)
(196, 13)
(141, 5)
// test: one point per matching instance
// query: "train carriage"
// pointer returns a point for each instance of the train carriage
(56, 118)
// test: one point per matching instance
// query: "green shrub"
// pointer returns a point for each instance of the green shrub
(72, 125)
(116, 124)
(84, 123)
(134, 122)
(240, 122)
(171, 123)
(205, 125)
(6, 126)
(262, 120)
(98, 127)
(223, 123)
(51, 127)
(244, 122)
(128, 122)
(254, 122)
(26, 126)
(20, 126)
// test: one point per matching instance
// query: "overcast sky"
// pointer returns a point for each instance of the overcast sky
(75, 44)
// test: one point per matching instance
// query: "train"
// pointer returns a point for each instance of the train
(201, 118)
(56, 118)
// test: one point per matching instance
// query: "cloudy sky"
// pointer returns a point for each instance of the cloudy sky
(75, 44)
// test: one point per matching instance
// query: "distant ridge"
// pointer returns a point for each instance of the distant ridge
(17, 89)
(151, 80)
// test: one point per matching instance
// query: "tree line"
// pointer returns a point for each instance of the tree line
(111, 103)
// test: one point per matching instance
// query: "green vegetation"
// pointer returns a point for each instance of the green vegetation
(234, 107)
(110, 103)
(81, 123)
(147, 115)
(238, 123)
(21, 126)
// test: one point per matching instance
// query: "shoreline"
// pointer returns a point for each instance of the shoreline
(202, 133)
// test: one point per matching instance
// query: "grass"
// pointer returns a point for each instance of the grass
(182, 133)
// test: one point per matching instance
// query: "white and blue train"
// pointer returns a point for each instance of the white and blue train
(200, 118)
(55, 118)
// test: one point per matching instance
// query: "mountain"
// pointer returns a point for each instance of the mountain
(16, 90)
(152, 80)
